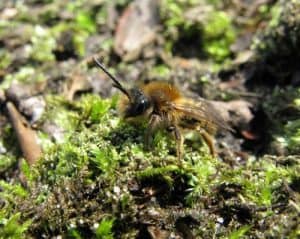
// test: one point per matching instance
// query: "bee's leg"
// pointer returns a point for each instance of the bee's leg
(179, 141)
(209, 141)
(153, 125)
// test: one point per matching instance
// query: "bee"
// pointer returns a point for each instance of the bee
(164, 107)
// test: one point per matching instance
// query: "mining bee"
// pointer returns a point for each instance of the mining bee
(164, 107)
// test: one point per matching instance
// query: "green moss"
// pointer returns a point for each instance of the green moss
(292, 137)
(200, 177)
(219, 34)
(162, 71)
(82, 26)
(42, 45)
(6, 162)
(240, 233)
(9, 154)
(10, 150)
(281, 38)
(104, 158)
(26, 74)
(83, 21)
(285, 127)
(5, 59)
(12, 228)
(214, 30)
(163, 173)
(94, 108)
(11, 190)
(60, 113)
(104, 230)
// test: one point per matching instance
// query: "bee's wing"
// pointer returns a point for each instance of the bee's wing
(202, 111)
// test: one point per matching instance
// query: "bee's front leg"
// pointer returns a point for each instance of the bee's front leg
(153, 125)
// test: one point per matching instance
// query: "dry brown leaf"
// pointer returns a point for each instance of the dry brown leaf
(26, 136)
(136, 28)
(157, 233)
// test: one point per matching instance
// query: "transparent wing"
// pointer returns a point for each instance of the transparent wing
(203, 112)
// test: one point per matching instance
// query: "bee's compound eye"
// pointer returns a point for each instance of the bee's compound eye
(141, 106)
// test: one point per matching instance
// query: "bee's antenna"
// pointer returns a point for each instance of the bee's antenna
(116, 83)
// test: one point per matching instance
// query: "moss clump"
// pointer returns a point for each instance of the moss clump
(210, 28)
(282, 109)
(12, 227)
(278, 55)
(25, 74)
(283, 33)
(277, 46)
(219, 34)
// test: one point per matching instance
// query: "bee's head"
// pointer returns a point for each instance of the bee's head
(136, 102)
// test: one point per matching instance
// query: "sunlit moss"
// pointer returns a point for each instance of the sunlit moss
(42, 44)
(280, 39)
(160, 71)
(285, 127)
(239, 233)
(292, 129)
(200, 177)
(214, 28)
(5, 59)
(6, 161)
(26, 74)
(219, 34)
(104, 229)
(13, 227)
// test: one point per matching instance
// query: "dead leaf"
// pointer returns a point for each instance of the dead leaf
(157, 233)
(136, 28)
(26, 136)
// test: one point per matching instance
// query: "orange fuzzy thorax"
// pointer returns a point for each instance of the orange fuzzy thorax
(161, 92)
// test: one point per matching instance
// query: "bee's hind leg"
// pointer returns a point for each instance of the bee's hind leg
(152, 127)
(179, 141)
(209, 141)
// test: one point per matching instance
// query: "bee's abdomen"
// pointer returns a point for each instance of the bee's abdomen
(195, 124)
